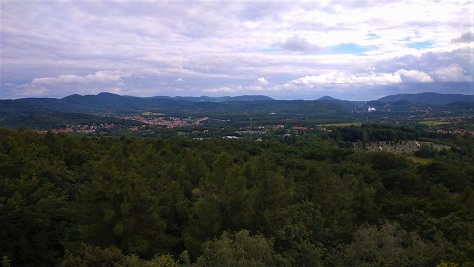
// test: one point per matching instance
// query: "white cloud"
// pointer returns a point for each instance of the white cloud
(341, 78)
(30, 91)
(150, 72)
(219, 90)
(98, 77)
(262, 81)
(413, 76)
(344, 78)
(234, 90)
(253, 88)
(451, 73)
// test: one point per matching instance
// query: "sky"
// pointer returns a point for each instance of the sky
(347, 49)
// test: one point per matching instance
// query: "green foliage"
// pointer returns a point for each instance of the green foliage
(272, 190)
(240, 249)
(447, 264)
(452, 177)
(426, 151)
(87, 255)
(389, 245)
(33, 211)
(162, 261)
(5, 261)
(80, 201)
(118, 207)
(223, 202)
(299, 234)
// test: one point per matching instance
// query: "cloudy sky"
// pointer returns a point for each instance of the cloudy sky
(348, 49)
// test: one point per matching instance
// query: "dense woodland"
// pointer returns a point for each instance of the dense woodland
(303, 201)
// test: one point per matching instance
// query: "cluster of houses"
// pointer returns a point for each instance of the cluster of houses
(168, 122)
(461, 132)
(80, 128)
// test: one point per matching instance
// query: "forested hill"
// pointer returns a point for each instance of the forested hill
(429, 98)
(101, 103)
(112, 103)
(225, 98)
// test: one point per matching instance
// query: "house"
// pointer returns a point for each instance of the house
(299, 129)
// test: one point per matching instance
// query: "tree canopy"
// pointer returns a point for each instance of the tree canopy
(101, 201)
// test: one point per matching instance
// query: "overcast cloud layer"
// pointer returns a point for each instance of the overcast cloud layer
(348, 49)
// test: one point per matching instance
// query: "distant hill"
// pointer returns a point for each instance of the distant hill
(224, 98)
(51, 120)
(108, 102)
(429, 98)
(460, 105)
(328, 98)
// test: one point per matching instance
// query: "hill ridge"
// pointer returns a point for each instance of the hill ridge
(429, 98)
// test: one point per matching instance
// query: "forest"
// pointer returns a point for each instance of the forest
(306, 201)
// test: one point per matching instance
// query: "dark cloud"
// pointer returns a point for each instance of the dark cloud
(299, 44)
(467, 37)
(456, 63)
(264, 9)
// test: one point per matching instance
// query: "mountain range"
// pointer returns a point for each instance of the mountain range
(112, 103)
(429, 98)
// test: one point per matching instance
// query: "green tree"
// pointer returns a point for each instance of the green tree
(222, 202)
(389, 245)
(33, 216)
(272, 190)
(452, 177)
(86, 255)
(333, 195)
(34, 212)
(119, 207)
(299, 233)
(240, 249)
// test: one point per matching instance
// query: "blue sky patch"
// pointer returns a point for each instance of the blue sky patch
(348, 48)
(372, 36)
(420, 45)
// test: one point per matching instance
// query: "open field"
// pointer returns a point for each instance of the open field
(434, 123)
(419, 160)
(345, 124)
